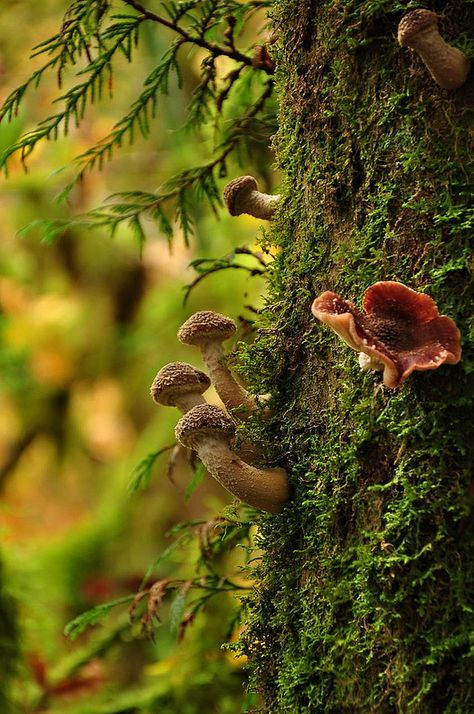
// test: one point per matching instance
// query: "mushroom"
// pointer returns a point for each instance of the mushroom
(208, 430)
(178, 384)
(241, 195)
(207, 329)
(401, 330)
(447, 65)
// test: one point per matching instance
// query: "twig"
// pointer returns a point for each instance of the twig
(212, 47)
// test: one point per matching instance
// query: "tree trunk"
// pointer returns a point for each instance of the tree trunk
(9, 643)
(367, 586)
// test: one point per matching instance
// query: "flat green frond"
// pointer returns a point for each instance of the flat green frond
(91, 617)
(142, 474)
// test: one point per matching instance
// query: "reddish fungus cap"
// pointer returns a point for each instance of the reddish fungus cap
(401, 329)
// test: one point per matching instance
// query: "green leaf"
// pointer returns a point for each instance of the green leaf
(176, 612)
(197, 478)
(141, 475)
(90, 617)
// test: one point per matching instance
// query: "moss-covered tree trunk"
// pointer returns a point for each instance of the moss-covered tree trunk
(367, 588)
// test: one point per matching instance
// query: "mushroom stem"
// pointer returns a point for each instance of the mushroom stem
(258, 204)
(266, 489)
(185, 402)
(234, 396)
(207, 330)
(208, 430)
(447, 65)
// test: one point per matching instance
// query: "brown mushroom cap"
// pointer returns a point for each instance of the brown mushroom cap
(401, 328)
(413, 23)
(175, 379)
(206, 326)
(203, 420)
(238, 187)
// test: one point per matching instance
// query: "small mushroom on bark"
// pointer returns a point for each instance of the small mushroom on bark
(448, 66)
(208, 430)
(241, 195)
(400, 331)
(178, 384)
(207, 330)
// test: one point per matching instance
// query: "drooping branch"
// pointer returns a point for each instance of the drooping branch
(215, 49)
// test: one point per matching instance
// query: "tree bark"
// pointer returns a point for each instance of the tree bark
(9, 643)
(366, 601)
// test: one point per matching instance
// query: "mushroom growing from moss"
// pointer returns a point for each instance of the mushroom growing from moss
(208, 330)
(208, 430)
(178, 384)
(448, 66)
(401, 330)
(241, 195)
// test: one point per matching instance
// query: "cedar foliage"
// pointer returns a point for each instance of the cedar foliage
(93, 36)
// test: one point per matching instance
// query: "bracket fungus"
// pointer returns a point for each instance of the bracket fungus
(448, 66)
(178, 384)
(241, 195)
(207, 330)
(208, 430)
(399, 331)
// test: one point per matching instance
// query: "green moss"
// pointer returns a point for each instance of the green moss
(367, 586)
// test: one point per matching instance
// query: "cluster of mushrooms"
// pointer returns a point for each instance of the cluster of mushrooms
(398, 330)
(210, 430)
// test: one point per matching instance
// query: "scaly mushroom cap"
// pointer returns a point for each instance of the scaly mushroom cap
(415, 22)
(206, 326)
(238, 188)
(401, 329)
(203, 420)
(175, 379)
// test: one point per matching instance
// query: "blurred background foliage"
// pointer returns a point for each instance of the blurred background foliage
(85, 323)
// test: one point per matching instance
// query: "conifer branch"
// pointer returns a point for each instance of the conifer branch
(123, 35)
(129, 207)
(198, 40)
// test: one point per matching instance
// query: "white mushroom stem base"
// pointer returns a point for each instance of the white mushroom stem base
(185, 402)
(236, 399)
(266, 489)
(257, 204)
(366, 363)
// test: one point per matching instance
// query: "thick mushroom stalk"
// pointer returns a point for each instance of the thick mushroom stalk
(242, 196)
(207, 330)
(399, 331)
(208, 430)
(178, 384)
(447, 65)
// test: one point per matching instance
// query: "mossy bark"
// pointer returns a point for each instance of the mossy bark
(366, 597)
